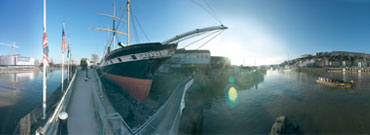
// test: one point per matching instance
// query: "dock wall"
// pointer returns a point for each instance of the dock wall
(33, 121)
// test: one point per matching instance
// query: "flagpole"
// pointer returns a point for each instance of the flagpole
(44, 74)
(62, 71)
(70, 59)
(69, 40)
(63, 48)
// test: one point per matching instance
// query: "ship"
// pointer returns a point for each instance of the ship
(131, 67)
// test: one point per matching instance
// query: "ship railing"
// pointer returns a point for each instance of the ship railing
(186, 84)
(52, 124)
(175, 126)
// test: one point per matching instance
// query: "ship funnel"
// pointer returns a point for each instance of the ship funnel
(121, 44)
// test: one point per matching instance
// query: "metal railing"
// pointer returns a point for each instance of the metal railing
(148, 122)
(111, 122)
(181, 107)
(51, 126)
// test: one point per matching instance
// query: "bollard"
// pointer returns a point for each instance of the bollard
(63, 128)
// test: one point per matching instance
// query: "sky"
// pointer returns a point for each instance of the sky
(260, 32)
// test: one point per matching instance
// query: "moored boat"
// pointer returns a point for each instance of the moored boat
(334, 82)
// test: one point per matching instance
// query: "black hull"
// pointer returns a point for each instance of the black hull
(132, 68)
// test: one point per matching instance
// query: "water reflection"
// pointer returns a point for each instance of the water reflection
(17, 77)
(9, 86)
(20, 92)
(219, 98)
(314, 107)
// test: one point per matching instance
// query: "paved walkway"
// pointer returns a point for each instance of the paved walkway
(81, 109)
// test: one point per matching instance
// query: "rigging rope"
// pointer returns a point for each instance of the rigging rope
(209, 40)
(136, 37)
(119, 23)
(200, 39)
(208, 11)
(217, 33)
(137, 20)
(214, 13)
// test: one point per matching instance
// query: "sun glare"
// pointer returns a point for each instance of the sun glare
(233, 94)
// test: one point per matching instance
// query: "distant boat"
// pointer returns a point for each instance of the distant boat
(331, 82)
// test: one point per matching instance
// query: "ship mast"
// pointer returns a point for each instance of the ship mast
(114, 30)
(114, 26)
(128, 22)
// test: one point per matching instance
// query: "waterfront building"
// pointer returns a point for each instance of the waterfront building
(306, 63)
(189, 60)
(16, 60)
(342, 53)
(220, 62)
(331, 59)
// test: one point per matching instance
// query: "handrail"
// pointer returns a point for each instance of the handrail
(123, 124)
(61, 106)
(182, 104)
(138, 131)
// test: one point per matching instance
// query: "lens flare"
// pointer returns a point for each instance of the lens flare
(231, 79)
(233, 94)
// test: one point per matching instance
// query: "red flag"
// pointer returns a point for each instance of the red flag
(45, 47)
(63, 41)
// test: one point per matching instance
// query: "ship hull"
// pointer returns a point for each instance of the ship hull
(132, 68)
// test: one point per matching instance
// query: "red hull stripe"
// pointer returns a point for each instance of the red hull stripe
(137, 88)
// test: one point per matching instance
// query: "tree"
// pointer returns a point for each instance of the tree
(83, 63)
(95, 58)
(37, 63)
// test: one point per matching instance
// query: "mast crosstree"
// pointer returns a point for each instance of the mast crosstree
(114, 30)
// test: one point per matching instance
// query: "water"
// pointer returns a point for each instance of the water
(315, 108)
(20, 93)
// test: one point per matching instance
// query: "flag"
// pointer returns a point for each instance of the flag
(45, 48)
(70, 53)
(63, 41)
(68, 48)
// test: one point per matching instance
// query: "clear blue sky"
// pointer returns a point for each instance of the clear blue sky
(265, 31)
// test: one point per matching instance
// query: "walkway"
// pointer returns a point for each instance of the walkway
(81, 109)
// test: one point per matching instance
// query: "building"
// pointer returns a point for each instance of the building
(190, 58)
(188, 61)
(17, 60)
(220, 62)
(332, 59)
(342, 53)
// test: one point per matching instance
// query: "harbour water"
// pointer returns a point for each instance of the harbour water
(20, 93)
(313, 108)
